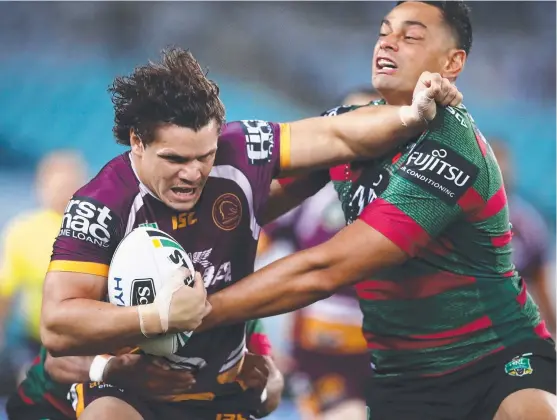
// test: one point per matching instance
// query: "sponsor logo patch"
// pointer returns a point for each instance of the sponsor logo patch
(439, 170)
(89, 220)
(227, 212)
(259, 141)
(143, 292)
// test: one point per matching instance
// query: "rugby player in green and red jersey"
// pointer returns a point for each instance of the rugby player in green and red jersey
(451, 330)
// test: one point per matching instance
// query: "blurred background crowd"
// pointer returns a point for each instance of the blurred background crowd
(277, 61)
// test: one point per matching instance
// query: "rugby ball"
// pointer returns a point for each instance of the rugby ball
(141, 263)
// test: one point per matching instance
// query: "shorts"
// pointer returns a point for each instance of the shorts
(17, 409)
(474, 392)
(324, 381)
(230, 407)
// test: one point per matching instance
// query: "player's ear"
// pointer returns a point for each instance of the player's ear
(454, 64)
(136, 144)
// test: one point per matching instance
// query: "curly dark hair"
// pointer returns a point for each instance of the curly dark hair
(456, 14)
(175, 90)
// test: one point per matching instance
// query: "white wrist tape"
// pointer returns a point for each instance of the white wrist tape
(96, 371)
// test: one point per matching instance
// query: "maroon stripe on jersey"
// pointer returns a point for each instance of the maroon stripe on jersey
(286, 181)
(509, 273)
(541, 330)
(24, 397)
(445, 372)
(493, 206)
(404, 343)
(471, 201)
(501, 241)
(259, 344)
(338, 173)
(477, 325)
(412, 288)
(522, 295)
(395, 225)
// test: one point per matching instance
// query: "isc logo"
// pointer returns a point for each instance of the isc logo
(183, 220)
(143, 292)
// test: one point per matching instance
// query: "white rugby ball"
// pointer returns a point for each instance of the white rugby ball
(143, 260)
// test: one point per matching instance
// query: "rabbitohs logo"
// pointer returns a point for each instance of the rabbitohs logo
(519, 366)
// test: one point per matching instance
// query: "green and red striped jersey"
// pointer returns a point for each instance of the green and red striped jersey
(39, 388)
(440, 198)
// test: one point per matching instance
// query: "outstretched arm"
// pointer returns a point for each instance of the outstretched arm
(367, 132)
(285, 195)
(305, 277)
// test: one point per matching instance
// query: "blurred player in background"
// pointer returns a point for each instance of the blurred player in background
(530, 240)
(206, 184)
(451, 330)
(327, 341)
(45, 391)
(27, 245)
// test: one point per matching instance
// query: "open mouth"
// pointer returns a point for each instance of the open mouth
(184, 193)
(385, 65)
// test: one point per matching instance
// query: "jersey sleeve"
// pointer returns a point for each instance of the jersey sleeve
(258, 342)
(256, 151)
(88, 236)
(431, 187)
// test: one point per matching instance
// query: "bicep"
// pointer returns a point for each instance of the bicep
(60, 286)
(356, 252)
(314, 142)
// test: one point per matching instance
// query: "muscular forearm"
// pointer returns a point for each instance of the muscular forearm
(286, 285)
(88, 327)
(69, 369)
(366, 133)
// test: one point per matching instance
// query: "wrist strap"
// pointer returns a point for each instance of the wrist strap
(96, 371)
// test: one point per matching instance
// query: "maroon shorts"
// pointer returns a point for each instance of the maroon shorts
(231, 407)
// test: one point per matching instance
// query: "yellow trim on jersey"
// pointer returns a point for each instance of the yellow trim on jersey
(285, 146)
(97, 269)
(157, 243)
(80, 400)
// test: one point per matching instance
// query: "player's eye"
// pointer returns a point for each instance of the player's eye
(175, 159)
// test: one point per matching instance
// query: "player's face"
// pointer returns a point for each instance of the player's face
(177, 164)
(413, 38)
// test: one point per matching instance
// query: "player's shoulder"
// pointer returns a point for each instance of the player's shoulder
(255, 139)
(343, 109)
(453, 126)
(115, 186)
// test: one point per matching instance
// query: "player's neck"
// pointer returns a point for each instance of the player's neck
(137, 172)
(397, 98)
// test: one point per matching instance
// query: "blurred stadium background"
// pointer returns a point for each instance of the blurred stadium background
(275, 60)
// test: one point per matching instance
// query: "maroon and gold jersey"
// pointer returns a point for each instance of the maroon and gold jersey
(220, 233)
(440, 198)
